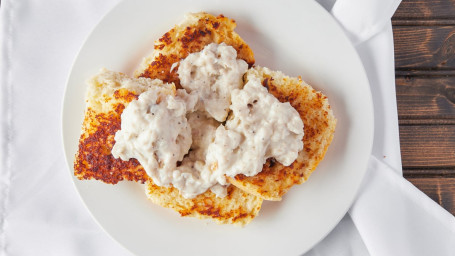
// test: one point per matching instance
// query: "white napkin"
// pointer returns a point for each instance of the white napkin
(363, 19)
(39, 40)
(405, 220)
(40, 211)
(390, 215)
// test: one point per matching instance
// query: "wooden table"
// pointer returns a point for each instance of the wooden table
(424, 35)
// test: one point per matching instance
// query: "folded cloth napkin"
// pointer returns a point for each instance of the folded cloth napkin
(389, 217)
(40, 211)
(363, 19)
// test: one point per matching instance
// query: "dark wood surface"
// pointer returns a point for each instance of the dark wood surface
(424, 36)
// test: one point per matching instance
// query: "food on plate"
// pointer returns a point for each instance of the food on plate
(106, 99)
(275, 179)
(195, 32)
(210, 135)
(237, 207)
(107, 95)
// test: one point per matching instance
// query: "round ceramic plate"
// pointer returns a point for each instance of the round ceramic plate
(296, 37)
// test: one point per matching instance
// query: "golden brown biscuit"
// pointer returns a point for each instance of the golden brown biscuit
(319, 126)
(108, 94)
(238, 207)
(192, 35)
(106, 101)
(107, 98)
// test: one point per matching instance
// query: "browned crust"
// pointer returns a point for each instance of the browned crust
(238, 207)
(176, 45)
(275, 179)
(94, 159)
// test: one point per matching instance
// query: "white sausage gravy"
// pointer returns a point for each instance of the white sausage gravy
(181, 140)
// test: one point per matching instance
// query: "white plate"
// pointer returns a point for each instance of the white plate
(297, 37)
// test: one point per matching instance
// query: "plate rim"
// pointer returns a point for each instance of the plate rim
(70, 161)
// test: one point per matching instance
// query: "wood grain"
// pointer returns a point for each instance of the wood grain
(441, 190)
(429, 173)
(428, 146)
(424, 47)
(426, 97)
(426, 9)
(424, 37)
